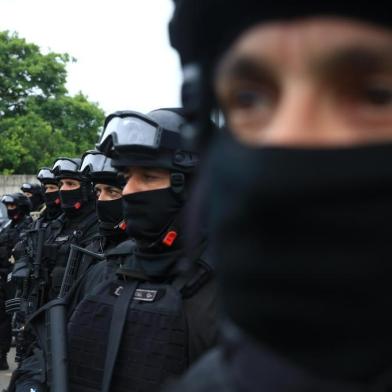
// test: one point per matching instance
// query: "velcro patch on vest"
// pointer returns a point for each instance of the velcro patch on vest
(145, 295)
(62, 238)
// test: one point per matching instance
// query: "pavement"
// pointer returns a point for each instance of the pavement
(5, 375)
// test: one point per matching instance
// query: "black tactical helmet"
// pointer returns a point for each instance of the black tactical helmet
(223, 20)
(46, 176)
(21, 201)
(99, 169)
(152, 140)
(31, 188)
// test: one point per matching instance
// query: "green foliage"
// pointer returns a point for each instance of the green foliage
(38, 120)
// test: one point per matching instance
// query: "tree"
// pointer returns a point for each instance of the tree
(39, 121)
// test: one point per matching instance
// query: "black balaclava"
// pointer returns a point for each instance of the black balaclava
(150, 213)
(14, 214)
(74, 202)
(223, 20)
(302, 236)
(303, 241)
(52, 202)
(110, 216)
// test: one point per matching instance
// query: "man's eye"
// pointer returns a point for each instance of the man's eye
(149, 177)
(248, 98)
(378, 95)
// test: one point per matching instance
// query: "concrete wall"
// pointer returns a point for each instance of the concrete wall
(11, 184)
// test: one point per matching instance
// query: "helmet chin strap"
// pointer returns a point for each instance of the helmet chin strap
(177, 183)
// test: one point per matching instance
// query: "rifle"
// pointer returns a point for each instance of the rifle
(30, 294)
(56, 320)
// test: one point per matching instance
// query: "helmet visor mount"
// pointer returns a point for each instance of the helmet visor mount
(137, 132)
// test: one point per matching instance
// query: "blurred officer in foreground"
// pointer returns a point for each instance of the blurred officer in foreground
(300, 192)
(18, 207)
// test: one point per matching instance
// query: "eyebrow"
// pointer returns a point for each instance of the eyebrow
(244, 68)
(350, 62)
(354, 61)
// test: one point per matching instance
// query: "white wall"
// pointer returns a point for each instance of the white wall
(11, 184)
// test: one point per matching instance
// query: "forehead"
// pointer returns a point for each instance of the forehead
(294, 45)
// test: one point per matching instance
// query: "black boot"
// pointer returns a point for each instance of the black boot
(3, 361)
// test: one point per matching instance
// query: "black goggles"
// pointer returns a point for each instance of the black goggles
(45, 174)
(64, 165)
(8, 199)
(95, 162)
(136, 131)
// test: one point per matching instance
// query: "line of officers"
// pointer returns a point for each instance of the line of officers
(139, 300)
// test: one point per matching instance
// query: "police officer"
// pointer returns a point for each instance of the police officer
(18, 207)
(108, 185)
(157, 314)
(51, 194)
(80, 223)
(301, 191)
(35, 194)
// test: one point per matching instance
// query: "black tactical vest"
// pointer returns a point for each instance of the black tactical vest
(154, 341)
(56, 250)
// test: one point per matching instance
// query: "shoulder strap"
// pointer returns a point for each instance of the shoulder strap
(89, 222)
(119, 316)
(57, 226)
(191, 281)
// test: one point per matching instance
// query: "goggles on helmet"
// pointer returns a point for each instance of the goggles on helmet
(45, 174)
(95, 162)
(63, 166)
(133, 130)
(8, 199)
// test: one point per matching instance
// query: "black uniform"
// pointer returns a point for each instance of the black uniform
(80, 230)
(169, 321)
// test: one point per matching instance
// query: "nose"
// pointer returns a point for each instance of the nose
(131, 186)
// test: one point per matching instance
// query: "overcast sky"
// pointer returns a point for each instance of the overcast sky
(124, 60)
